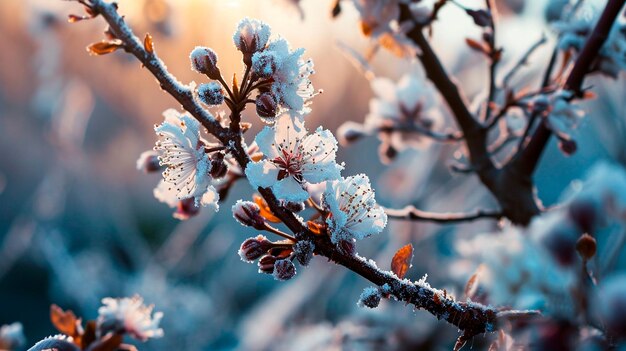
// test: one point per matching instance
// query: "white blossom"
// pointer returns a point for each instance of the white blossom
(251, 35)
(563, 115)
(291, 85)
(182, 151)
(129, 315)
(354, 213)
(377, 15)
(293, 158)
(403, 108)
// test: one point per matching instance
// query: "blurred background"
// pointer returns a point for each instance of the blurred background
(78, 222)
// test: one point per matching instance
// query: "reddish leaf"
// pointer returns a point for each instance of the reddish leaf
(147, 43)
(265, 209)
(66, 322)
(401, 261)
(316, 228)
(104, 47)
(476, 45)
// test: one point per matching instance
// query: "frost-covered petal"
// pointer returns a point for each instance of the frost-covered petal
(320, 149)
(354, 212)
(262, 174)
(129, 315)
(164, 193)
(210, 198)
(289, 189)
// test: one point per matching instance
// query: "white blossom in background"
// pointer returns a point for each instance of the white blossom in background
(377, 16)
(291, 85)
(293, 158)
(354, 213)
(563, 115)
(12, 336)
(251, 35)
(404, 106)
(604, 188)
(129, 315)
(182, 151)
(517, 269)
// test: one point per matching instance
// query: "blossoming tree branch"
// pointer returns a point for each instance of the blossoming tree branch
(300, 183)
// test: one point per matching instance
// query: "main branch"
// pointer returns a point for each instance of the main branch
(471, 318)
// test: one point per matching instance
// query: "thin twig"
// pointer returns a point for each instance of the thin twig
(413, 214)
(523, 60)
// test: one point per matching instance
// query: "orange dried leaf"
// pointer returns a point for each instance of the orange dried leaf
(104, 47)
(366, 29)
(147, 43)
(265, 209)
(65, 321)
(476, 45)
(315, 228)
(401, 261)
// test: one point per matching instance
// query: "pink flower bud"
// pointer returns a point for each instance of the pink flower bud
(253, 248)
(266, 106)
(266, 264)
(204, 60)
(284, 270)
(248, 214)
(568, 147)
(264, 63)
(251, 36)
(148, 162)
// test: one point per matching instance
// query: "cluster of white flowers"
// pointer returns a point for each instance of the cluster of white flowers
(517, 269)
(129, 315)
(182, 151)
(293, 158)
(274, 61)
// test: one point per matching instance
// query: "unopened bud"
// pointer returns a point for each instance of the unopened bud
(211, 93)
(266, 106)
(266, 264)
(218, 166)
(303, 251)
(350, 132)
(370, 297)
(253, 248)
(148, 162)
(387, 152)
(586, 246)
(248, 214)
(204, 60)
(264, 63)
(251, 36)
(583, 213)
(568, 146)
(482, 18)
(561, 243)
(186, 209)
(284, 270)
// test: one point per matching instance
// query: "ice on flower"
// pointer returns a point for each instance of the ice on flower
(291, 85)
(182, 151)
(354, 213)
(293, 158)
(129, 315)
(251, 35)
(403, 109)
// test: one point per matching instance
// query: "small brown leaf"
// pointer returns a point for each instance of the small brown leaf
(316, 228)
(265, 209)
(472, 283)
(235, 85)
(104, 47)
(476, 45)
(401, 261)
(147, 43)
(66, 322)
